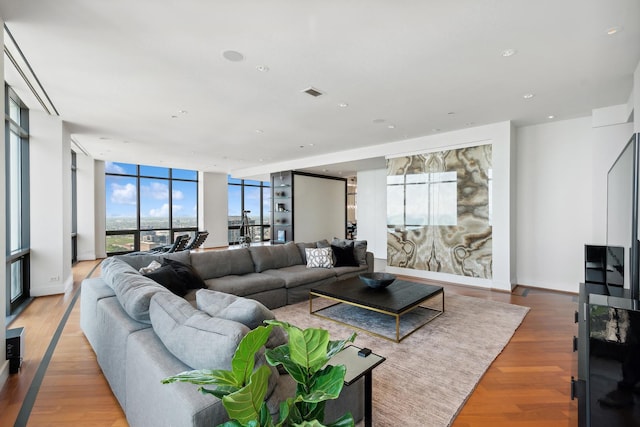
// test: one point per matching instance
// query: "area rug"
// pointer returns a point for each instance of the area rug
(428, 377)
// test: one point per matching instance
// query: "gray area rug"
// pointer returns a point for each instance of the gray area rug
(429, 375)
(379, 323)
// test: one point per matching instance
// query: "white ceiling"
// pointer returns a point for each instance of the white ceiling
(118, 70)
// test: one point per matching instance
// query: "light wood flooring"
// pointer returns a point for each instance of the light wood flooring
(527, 385)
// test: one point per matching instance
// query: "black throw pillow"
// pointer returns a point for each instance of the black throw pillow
(167, 277)
(189, 276)
(344, 256)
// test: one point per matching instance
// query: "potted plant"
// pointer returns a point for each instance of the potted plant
(305, 357)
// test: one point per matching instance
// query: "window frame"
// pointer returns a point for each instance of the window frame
(138, 231)
(264, 224)
(21, 253)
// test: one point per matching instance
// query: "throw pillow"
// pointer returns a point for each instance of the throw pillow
(189, 276)
(167, 277)
(359, 248)
(319, 257)
(344, 256)
(151, 267)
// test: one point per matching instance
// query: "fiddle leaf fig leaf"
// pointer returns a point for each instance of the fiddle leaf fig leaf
(245, 404)
(243, 360)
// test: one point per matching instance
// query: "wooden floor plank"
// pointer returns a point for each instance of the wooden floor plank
(528, 384)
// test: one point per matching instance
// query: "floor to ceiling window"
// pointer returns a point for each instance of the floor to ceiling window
(17, 199)
(147, 206)
(255, 198)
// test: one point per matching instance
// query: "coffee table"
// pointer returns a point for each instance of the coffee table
(401, 298)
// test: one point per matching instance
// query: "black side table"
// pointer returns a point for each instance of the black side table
(358, 366)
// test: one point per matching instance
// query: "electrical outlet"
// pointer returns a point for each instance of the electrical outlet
(54, 278)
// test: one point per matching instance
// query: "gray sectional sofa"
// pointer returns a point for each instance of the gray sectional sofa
(141, 332)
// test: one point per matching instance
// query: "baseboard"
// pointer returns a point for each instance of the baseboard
(4, 372)
(68, 284)
(42, 291)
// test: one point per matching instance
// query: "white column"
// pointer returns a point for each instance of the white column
(86, 214)
(100, 209)
(213, 208)
(50, 199)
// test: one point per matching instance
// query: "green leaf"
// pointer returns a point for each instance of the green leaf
(307, 348)
(243, 360)
(224, 381)
(327, 384)
(313, 423)
(344, 421)
(280, 356)
(245, 404)
(231, 423)
(218, 392)
(336, 347)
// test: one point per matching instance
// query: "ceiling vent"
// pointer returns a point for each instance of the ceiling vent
(312, 91)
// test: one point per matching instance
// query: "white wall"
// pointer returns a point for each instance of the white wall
(100, 206)
(372, 187)
(86, 214)
(213, 208)
(372, 211)
(4, 365)
(50, 199)
(319, 208)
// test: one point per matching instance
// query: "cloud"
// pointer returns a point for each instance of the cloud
(123, 194)
(164, 210)
(155, 190)
(110, 167)
(178, 195)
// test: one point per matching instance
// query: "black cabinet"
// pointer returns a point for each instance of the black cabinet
(608, 345)
(595, 264)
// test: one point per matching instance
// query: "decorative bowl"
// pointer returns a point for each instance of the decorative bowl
(377, 280)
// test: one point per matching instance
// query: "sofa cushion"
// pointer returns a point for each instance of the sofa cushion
(133, 290)
(343, 256)
(244, 310)
(297, 275)
(249, 312)
(244, 285)
(213, 264)
(359, 248)
(301, 249)
(188, 275)
(143, 259)
(112, 266)
(194, 337)
(167, 277)
(277, 256)
(319, 257)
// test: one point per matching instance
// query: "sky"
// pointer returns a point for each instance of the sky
(121, 194)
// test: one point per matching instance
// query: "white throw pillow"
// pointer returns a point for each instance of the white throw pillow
(319, 257)
(150, 268)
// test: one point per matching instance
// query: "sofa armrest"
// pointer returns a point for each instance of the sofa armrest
(370, 262)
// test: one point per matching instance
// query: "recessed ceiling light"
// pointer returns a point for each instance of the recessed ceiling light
(233, 55)
(301, 146)
(173, 116)
(343, 105)
(451, 113)
(508, 52)
(378, 121)
(613, 30)
(262, 68)
(259, 131)
(551, 116)
(311, 144)
(528, 95)
(182, 111)
(391, 126)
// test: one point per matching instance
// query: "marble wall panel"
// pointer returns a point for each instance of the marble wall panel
(462, 248)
